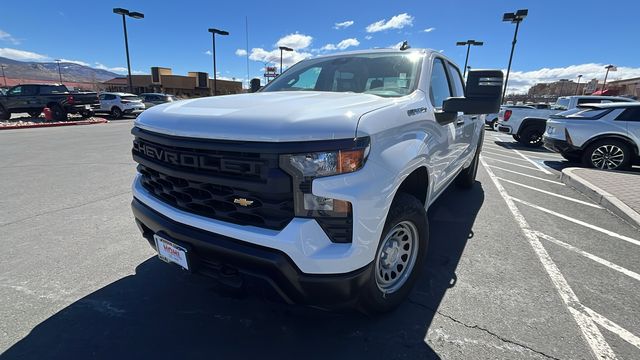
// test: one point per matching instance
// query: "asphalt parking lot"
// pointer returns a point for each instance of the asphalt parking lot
(520, 266)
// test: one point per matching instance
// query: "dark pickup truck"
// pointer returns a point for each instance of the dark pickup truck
(33, 98)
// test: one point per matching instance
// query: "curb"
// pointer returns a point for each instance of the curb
(600, 196)
(66, 123)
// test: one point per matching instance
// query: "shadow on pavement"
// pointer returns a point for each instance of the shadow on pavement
(162, 312)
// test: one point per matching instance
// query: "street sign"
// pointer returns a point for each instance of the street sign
(591, 85)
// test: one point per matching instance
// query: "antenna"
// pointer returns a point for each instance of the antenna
(405, 46)
(246, 30)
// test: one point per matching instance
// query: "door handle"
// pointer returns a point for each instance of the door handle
(460, 122)
(474, 118)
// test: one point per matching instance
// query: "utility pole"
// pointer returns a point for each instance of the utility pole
(468, 43)
(514, 18)
(135, 15)
(283, 48)
(215, 75)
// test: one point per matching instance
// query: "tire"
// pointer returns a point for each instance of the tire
(116, 113)
(494, 125)
(607, 154)
(467, 177)
(406, 226)
(4, 114)
(87, 114)
(531, 136)
(516, 137)
(35, 114)
(58, 113)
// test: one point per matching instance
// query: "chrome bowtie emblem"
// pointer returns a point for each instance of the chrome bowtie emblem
(242, 202)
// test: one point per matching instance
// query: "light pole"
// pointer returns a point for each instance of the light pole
(578, 84)
(514, 18)
(283, 48)
(468, 43)
(562, 82)
(3, 76)
(59, 72)
(135, 15)
(609, 68)
(215, 75)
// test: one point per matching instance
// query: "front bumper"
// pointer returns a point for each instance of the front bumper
(216, 255)
(559, 146)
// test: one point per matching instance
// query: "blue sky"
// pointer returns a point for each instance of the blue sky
(559, 39)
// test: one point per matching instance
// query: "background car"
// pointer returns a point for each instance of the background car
(119, 104)
(152, 99)
(604, 136)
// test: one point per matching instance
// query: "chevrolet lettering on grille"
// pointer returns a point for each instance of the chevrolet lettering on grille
(242, 202)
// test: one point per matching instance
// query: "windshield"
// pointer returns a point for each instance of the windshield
(562, 104)
(385, 74)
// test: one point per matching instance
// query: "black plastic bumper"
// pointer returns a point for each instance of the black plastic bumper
(216, 256)
(560, 146)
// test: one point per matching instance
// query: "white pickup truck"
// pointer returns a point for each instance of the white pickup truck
(528, 124)
(320, 182)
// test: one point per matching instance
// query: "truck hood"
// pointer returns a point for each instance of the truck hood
(268, 116)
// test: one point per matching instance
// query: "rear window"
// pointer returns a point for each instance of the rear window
(562, 104)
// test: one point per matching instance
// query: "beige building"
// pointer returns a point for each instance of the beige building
(162, 80)
(627, 87)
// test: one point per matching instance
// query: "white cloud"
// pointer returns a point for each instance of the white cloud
(208, 52)
(118, 69)
(241, 52)
(77, 62)
(368, 37)
(521, 81)
(429, 29)
(397, 22)
(5, 36)
(288, 57)
(344, 24)
(342, 45)
(21, 55)
(295, 41)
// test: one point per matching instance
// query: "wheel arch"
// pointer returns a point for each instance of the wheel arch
(416, 184)
(526, 122)
(627, 140)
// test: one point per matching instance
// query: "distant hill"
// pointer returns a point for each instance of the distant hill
(49, 71)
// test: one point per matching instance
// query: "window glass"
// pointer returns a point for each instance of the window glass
(457, 80)
(590, 101)
(16, 91)
(382, 74)
(439, 88)
(109, 97)
(53, 89)
(588, 114)
(562, 104)
(130, 98)
(630, 114)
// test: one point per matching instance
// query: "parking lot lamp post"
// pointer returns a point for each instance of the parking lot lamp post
(514, 18)
(283, 48)
(609, 68)
(215, 75)
(562, 82)
(135, 15)
(3, 76)
(468, 43)
(59, 72)
(578, 84)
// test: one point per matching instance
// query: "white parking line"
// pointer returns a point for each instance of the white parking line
(497, 149)
(527, 175)
(599, 346)
(626, 335)
(595, 258)
(550, 193)
(510, 163)
(531, 161)
(507, 156)
(579, 222)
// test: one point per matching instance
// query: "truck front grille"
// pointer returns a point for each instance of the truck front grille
(215, 179)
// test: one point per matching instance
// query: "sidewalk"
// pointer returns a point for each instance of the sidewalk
(617, 191)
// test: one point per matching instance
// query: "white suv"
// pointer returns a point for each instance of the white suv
(320, 182)
(118, 104)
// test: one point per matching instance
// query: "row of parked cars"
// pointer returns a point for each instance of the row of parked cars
(33, 98)
(599, 131)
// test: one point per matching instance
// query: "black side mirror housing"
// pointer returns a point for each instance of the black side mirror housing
(254, 85)
(483, 94)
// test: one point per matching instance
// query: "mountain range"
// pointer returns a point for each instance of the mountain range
(49, 71)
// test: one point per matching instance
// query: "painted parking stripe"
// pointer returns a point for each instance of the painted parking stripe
(550, 193)
(507, 156)
(626, 335)
(498, 149)
(595, 258)
(579, 222)
(590, 332)
(510, 163)
(527, 175)
(529, 160)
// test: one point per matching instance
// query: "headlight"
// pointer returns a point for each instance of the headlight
(304, 167)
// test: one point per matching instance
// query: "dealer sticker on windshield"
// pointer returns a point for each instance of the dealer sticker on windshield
(170, 252)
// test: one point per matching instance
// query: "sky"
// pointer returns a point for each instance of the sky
(558, 40)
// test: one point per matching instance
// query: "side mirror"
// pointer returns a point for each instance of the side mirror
(482, 95)
(254, 85)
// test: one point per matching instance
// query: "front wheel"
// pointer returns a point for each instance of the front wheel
(116, 113)
(58, 113)
(400, 256)
(35, 114)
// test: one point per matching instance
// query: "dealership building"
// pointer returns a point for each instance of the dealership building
(162, 80)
